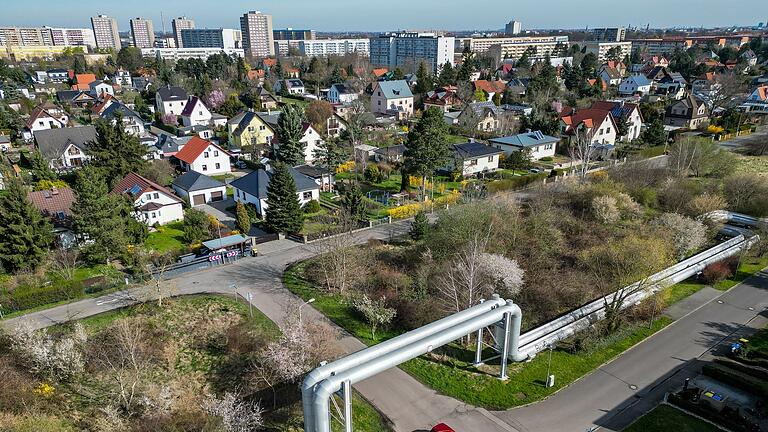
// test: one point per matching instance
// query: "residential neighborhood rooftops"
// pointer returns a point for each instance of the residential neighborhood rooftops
(53, 142)
(174, 93)
(395, 89)
(527, 139)
(53, 202)
(474, 149)
(136, 185)
(189, 108)
(193, 149)
(490, 87)
(192, 181)
(256, 182)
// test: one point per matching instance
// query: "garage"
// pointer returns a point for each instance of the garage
(198, 199)
(217, 196)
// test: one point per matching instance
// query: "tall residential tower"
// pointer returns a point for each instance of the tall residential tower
(179, 24)
(143, 33)
(258, 39)
(105, 31)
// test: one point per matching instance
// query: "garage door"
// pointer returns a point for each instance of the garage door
(217, 196)
(198, 199)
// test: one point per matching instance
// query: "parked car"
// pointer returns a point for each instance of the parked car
(442, 427)
(240, 165)
(534, 170)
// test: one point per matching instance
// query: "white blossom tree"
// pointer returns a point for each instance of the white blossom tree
(376, 312)
(686, 234)
(606, 209)
(56, 358)
(504, 274)
(236, 414)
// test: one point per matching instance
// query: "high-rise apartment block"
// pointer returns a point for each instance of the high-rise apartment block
(143, 33)
(513, 28)
(211, 38)
(179, 24)
(105, 31)
(292, 34)
(258, 37)
(614, 34)
(401, 49)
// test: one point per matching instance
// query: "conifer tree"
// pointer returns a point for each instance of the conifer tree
(24, 234)
(290, 132)
(284, 212)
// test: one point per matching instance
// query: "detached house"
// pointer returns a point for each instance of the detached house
(65, 148)
(249, 129)
(392, 97)
(153, 203)
(490, 87)
(198, 188)
(42, 119)
(83, 82)
(293, 86)
(635, 84)
(204, 157)
(252, 189)
(99, 89)
(171, 100)
(690, 113)
(110, 107)
(472, 158)
(443, 99)
(268, 100)
(197, 114)
(627, 112)
(596, 125)
(311, 138)
(536, 143)
(341, 94)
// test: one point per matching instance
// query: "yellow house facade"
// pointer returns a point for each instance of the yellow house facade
(248, 129)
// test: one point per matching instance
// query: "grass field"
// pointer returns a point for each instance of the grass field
(665, 418)
(167, 238)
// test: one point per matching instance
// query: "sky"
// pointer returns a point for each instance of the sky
(389, 15)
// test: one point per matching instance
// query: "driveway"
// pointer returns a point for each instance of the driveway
(734, 144)
(218, 210)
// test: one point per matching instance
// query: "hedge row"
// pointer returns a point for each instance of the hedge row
(30, 297)
(515, 183)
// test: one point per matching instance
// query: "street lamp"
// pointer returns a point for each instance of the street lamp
(312, 300)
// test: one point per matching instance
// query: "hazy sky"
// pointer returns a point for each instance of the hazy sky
(380, 15)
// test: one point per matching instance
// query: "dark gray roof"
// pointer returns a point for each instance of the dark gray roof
(171, 144)
(256, 182)
(342, 89)
(172, 93)
(473, 150)
(121, 108)
(53, 142)
(312, 171)
(192, 181)
(69, 95)
(394, 150)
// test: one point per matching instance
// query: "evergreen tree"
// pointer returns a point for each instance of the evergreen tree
(284, 212)
(655, 135)
(243, 220)
(116, 152)
(24, 234)
(352, 201)
(330, 154)
(427, 147)
(419, 226)
(447, 75)
(106, 219)
(398, 74)
(78, 64)
(350, 71)
(290, 132)
(424, 79)
(40, 167)
(336, 77)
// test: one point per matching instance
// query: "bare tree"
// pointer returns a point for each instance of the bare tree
(461, 285)
(338, 261)
(65, 262)
(582, 150)
(236, 414)
(726, 91)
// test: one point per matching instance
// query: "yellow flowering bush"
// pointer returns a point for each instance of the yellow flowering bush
(345, 167)
(44, 389)
(407, 210)
(715, 129)
(451, 198)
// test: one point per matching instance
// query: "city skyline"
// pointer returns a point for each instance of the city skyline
(347, 15)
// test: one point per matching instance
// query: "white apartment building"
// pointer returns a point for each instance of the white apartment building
(514, 47)
(173, 54)
(46, 36)
(179, 24)
(401, 49)
(513, 28)
(258, 39)
(105, 31)
(326, 47)
(73, 37)
(143, 33)
(600, 49)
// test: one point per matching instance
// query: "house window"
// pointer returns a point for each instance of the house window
(205, 154)
(156, 195)
(473, 162)
(250, 128)
(490, 158)
(218, 165)
(153, 215)
(205, 167)
(307, 196)
(262, 128)
(379, 103)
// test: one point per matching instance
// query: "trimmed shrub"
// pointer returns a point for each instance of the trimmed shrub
(312, 206)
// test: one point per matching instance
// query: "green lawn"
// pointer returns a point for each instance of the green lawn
(758, 343)
(292, 101)
(456, 377)
(665, 418)
(167, 238)
(457, 139)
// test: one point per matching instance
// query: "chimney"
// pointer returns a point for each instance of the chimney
(528, 130)
(54, 190)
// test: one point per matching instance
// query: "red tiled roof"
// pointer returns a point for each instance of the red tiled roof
(268, 62)
(380, 71)
(101, 106)
(490, 86)
(50, 202)
(589, 116)
(143, 185)
(194, 148)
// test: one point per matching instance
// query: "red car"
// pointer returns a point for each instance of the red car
(442, 427)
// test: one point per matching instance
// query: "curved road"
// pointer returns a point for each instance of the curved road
(609, 398)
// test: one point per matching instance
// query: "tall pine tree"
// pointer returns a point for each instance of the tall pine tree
(424, 79)
(427, 147)
(284, 212)
(105, 219)
(24, 234)
(116, 152)
(290, 132)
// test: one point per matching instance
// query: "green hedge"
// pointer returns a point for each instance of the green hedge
(737, 379)
(25, 297)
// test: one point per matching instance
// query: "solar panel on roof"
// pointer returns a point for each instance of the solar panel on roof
(135, 190)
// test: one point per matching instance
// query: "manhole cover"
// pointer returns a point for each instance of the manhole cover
(632, 387)
(751, 308)
(720, 301)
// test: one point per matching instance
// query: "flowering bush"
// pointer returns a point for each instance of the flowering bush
(716, 272)
(45, 390)
(170, 119)
(345, 167)
(215, 99)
